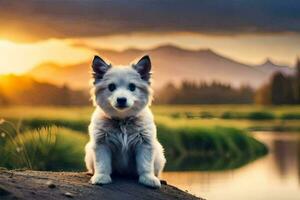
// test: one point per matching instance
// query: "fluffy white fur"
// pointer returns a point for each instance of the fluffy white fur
(123, 141)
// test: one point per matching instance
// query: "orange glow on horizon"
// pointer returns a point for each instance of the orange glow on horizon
(20, 57)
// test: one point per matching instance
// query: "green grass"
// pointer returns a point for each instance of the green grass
(244, 124)
(290, 116)
(35, 123)
(256, 115)
(221, 147)
(80, 113)
(218, 110)
(49, 148)
(174, 137)
(246, 117)
(59, 147)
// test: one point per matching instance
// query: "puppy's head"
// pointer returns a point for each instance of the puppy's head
(121, 91)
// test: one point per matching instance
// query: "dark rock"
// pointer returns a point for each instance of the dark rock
(23, 183)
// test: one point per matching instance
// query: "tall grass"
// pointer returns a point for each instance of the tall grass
(215, 141)
(45, 146)
(215, 148)
(48, 148)
(36, 123)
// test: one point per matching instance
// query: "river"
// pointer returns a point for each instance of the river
(276, 176)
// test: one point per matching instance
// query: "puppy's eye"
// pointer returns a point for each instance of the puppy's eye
(112, 87)
(131, 87)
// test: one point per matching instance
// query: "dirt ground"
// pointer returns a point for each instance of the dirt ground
(36, 185)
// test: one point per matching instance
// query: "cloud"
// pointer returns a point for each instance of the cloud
(36, 20)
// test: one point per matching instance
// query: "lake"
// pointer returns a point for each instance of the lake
(275, 176)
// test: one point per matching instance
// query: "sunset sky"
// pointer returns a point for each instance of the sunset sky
(67, 32)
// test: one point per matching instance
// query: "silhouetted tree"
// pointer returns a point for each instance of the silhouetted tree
(277, 88)
(263, 95)
(290, 94)
(166, 94)
(282, 91)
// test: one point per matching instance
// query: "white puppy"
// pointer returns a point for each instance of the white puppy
(122, 131)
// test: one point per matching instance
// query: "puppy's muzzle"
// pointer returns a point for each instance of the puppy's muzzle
(121, 103)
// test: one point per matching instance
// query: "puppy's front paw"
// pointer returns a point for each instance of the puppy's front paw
(100, 179)
(149, 180)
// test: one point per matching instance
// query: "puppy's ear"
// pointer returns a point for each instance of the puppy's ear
(143, 67)
(100, 67)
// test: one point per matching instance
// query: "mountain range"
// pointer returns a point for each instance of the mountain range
(170, 64)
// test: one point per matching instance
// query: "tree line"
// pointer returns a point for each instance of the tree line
(191, 92)
(281, 89)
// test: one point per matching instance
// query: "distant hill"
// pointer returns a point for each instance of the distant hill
(269, 68)
(170, 63)
(75, 76)
(24, 90)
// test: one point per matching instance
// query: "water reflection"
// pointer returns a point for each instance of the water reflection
(200, 163)
(275, 176)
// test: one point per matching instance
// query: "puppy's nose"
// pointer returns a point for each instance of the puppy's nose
(122, 101)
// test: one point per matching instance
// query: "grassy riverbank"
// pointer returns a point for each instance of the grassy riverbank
(195, 137)
(43, 144)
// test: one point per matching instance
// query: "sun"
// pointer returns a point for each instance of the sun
(7, 58)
